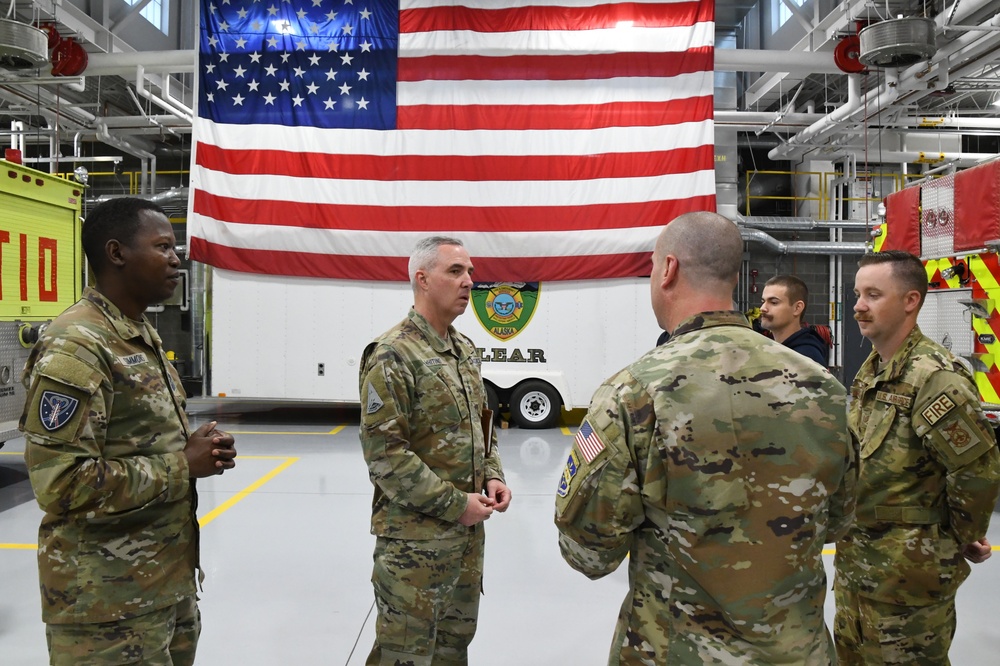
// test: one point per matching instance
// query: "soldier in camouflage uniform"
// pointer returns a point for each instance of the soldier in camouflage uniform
(112, 459)
(719, 463)
(431, 451)
(930, 474)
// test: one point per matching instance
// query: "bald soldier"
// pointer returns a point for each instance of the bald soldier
(719, 463)
(930, 475)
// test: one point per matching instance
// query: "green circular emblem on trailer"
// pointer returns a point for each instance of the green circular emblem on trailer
(504, 308)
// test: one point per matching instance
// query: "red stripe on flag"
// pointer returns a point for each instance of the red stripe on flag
(553, 116)
(440, 69)
(353, 267)
(590, 444)
(555, 68)
(439, 219)
(540, 18)
(435, 168)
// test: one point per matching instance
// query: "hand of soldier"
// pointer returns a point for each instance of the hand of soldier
(478, 509)
(978, 551)
(209, 451)
(498, 491)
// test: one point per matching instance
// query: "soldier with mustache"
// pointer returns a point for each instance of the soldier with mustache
(930, 475)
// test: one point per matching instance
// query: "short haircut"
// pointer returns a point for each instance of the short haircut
(708, 246)
(114, 219)
(795, 289)
(424, 255)
(907, 269)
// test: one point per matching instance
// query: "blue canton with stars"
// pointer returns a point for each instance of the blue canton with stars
(319, 63)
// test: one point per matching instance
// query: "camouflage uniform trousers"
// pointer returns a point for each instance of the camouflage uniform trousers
(427, 594)
(165, 637)
(870, 633)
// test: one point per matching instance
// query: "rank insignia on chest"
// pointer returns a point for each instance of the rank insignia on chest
(56, 409)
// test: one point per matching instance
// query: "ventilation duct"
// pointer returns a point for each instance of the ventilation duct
(22, 46)
(897, 42)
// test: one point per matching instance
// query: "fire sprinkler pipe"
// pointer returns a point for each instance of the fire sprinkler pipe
(181, 112)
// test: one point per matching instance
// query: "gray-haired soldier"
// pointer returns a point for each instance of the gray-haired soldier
(428, 439)
(112, 459)
(720, 463)
(930, 475)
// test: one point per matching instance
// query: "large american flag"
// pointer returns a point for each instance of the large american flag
(554, 137)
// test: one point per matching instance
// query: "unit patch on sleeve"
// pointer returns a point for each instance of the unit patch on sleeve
(375, 401)
(959, 435)
(56, 409)
(572, 465)
(937, 409)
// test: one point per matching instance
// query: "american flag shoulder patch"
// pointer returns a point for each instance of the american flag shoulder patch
(588, 442)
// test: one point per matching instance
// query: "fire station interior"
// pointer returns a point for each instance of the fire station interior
(822, 109)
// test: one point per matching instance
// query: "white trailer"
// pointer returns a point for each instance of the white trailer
(551, 344)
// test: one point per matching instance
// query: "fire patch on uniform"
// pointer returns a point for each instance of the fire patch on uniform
(938, 409)
(959, 436)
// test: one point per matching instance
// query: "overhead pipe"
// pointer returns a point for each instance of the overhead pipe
(797, 223)
(754, 120)
(960, 11)
(123, 64)
(937, 122)
(876, 99)
(800, 247)
(44, 105)
(766, 117)
(756, 60)
(180, 111)
(147, 158)
(825, 125)
(17, 135)
(799, 144)
(161, 120)
(914, 156)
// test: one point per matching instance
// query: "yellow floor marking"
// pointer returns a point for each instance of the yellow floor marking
(243, 494)
(566, 431)
(217, 511)
(11, 453)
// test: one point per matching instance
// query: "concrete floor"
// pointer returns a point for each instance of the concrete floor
(287, 553)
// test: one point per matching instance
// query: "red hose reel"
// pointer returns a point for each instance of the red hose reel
(68, 57)
(846, 53)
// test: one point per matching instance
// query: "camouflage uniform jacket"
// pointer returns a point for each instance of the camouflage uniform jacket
(720, 463)
(422, 399)
(930, 474)
(104, 429)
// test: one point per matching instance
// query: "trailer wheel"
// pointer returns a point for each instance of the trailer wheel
(492, 401)
(535, 405)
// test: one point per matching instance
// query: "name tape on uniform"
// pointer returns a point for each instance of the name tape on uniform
(903, 401)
